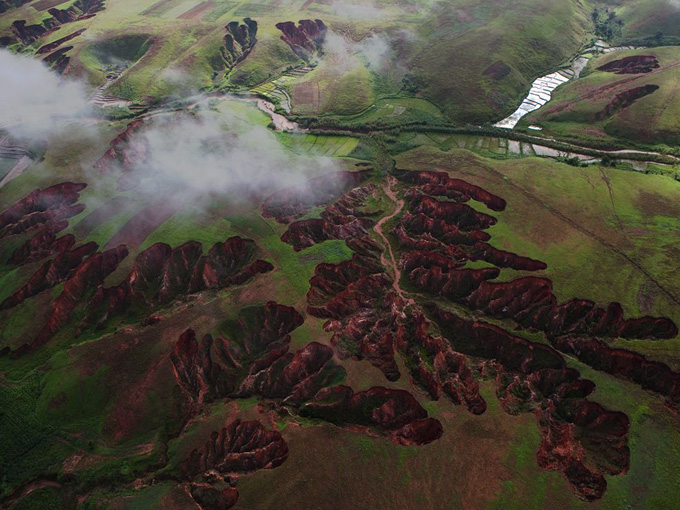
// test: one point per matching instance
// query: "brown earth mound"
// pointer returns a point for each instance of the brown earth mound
(624, 99)
(636, 64)
(497, 71)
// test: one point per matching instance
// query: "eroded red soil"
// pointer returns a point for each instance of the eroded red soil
(47, 207)
(162, 274)
(636, 64)
(239, 41)
(289, 204)
(438, 235)
(239, 448)
(625, 99)
(306, 39)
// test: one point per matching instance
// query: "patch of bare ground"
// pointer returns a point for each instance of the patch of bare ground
(340, 469)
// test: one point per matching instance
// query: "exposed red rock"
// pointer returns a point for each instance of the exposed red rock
(47, 48)
(237, 449)
(484, 340)
(500, 258)
(125, 150)
(437, 276)
(239, 41)
(27, 34)
(531, 302)
(217, 368)
(436, 367)
(358, 296)
(636, 64)
(581, 439)
(295, 378)
(584, 441)
(58, 60)
(341, 220)
(209, 497)
(460, 215)
(81, 9)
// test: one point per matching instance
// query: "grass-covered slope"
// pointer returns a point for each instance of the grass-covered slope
(604, 104)
(478, 58)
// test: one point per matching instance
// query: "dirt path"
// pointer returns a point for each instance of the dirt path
(608, 182)
(27, 489)
(392, 261)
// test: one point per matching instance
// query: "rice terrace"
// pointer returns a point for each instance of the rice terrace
(339, 254)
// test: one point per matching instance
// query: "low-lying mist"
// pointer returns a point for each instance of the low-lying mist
(187, 156)
(34, 101)
(197, 155)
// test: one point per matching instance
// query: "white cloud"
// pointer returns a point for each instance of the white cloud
(34, 101)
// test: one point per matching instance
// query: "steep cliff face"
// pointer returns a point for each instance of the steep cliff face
(43, 244)
(48, 48)
(440, 184)
(239, 41)
(241, 447)
(50, 274)
(59, 60)
(80, 9)
(651, 375)
(216, 368)
(254, 360)
(125, 150)
(82, 283)
(444, 235)
(27, 34)
(531, 302)
(306, 39)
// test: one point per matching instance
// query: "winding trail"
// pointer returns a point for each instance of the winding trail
(392, 262)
